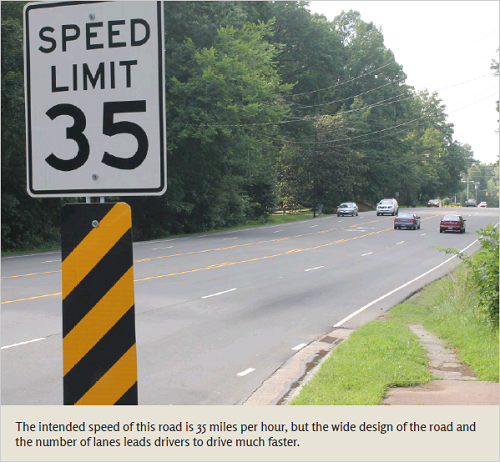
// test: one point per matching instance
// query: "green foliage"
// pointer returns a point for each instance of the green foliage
(449, 309)
(484, 271)
(375, 357)
(259, 99)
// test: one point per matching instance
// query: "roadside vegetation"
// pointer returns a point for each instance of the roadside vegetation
(377, 356)
(461, 309)
(242, 105)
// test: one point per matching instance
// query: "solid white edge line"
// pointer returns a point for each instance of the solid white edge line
(219, 293)
(299, 347)
(21, 343)
(399, 288)
(245, 372)
(312, 269)
(365, 254)
(27, 255)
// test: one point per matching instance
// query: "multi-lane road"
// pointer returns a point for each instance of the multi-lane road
(217, 314)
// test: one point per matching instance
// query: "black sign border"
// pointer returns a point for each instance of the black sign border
(93, 192)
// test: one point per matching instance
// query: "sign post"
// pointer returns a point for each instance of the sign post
(95, 127)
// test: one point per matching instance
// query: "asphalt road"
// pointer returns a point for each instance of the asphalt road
(217, 314)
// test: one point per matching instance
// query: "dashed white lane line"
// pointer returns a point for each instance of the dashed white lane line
(22, 343)
(205, 235)
(280, 231)
(51, 261)
(229, 238)
(402, 242)
(314, 226)
(316, 268)
(423, 234)
(340, 221)
(299, 347)
(162, 248)
(219, 293)
(245, 372)
(365, 254)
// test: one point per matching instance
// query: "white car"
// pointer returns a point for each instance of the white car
(387, 206)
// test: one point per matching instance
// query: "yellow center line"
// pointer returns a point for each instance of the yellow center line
(30, 274)
(229, 263)
(233, 263)
(212, 250)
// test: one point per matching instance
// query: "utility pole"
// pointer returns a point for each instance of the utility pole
(467, 184)
(315, 171)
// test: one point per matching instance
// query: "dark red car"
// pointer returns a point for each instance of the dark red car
(452, 223)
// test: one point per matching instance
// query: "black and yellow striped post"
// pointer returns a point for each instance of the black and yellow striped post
(99, 353)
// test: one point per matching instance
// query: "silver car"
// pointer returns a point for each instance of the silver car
(387, 206)
(347, 208)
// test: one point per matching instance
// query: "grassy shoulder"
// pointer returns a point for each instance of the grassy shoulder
(385, 354)
(377, 356)
(448, 309)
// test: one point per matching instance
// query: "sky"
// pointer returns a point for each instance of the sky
(441, 45)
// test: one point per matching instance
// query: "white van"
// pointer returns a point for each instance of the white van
(387, 206)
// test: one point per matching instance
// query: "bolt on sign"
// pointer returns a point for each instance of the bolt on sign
(94, 81)
(99, 352)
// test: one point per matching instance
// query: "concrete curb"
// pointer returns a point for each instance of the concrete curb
(288, 380)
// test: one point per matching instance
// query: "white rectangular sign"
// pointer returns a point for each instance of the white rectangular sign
(95, 112)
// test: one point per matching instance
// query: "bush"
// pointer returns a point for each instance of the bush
(446, 201)
(484, 272)
(484, 264)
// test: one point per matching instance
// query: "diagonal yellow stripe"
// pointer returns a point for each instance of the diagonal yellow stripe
(113, 385)
(95, 246)
(98, 321)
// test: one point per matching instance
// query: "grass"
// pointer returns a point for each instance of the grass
(379, 355)
(47, 248)
(448, 309)
(386, 354)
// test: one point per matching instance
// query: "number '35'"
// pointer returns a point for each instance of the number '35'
(109, 128)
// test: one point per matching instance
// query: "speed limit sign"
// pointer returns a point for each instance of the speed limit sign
(95, 112)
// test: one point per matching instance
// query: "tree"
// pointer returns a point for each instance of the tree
(26, 222)
(220, 113)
